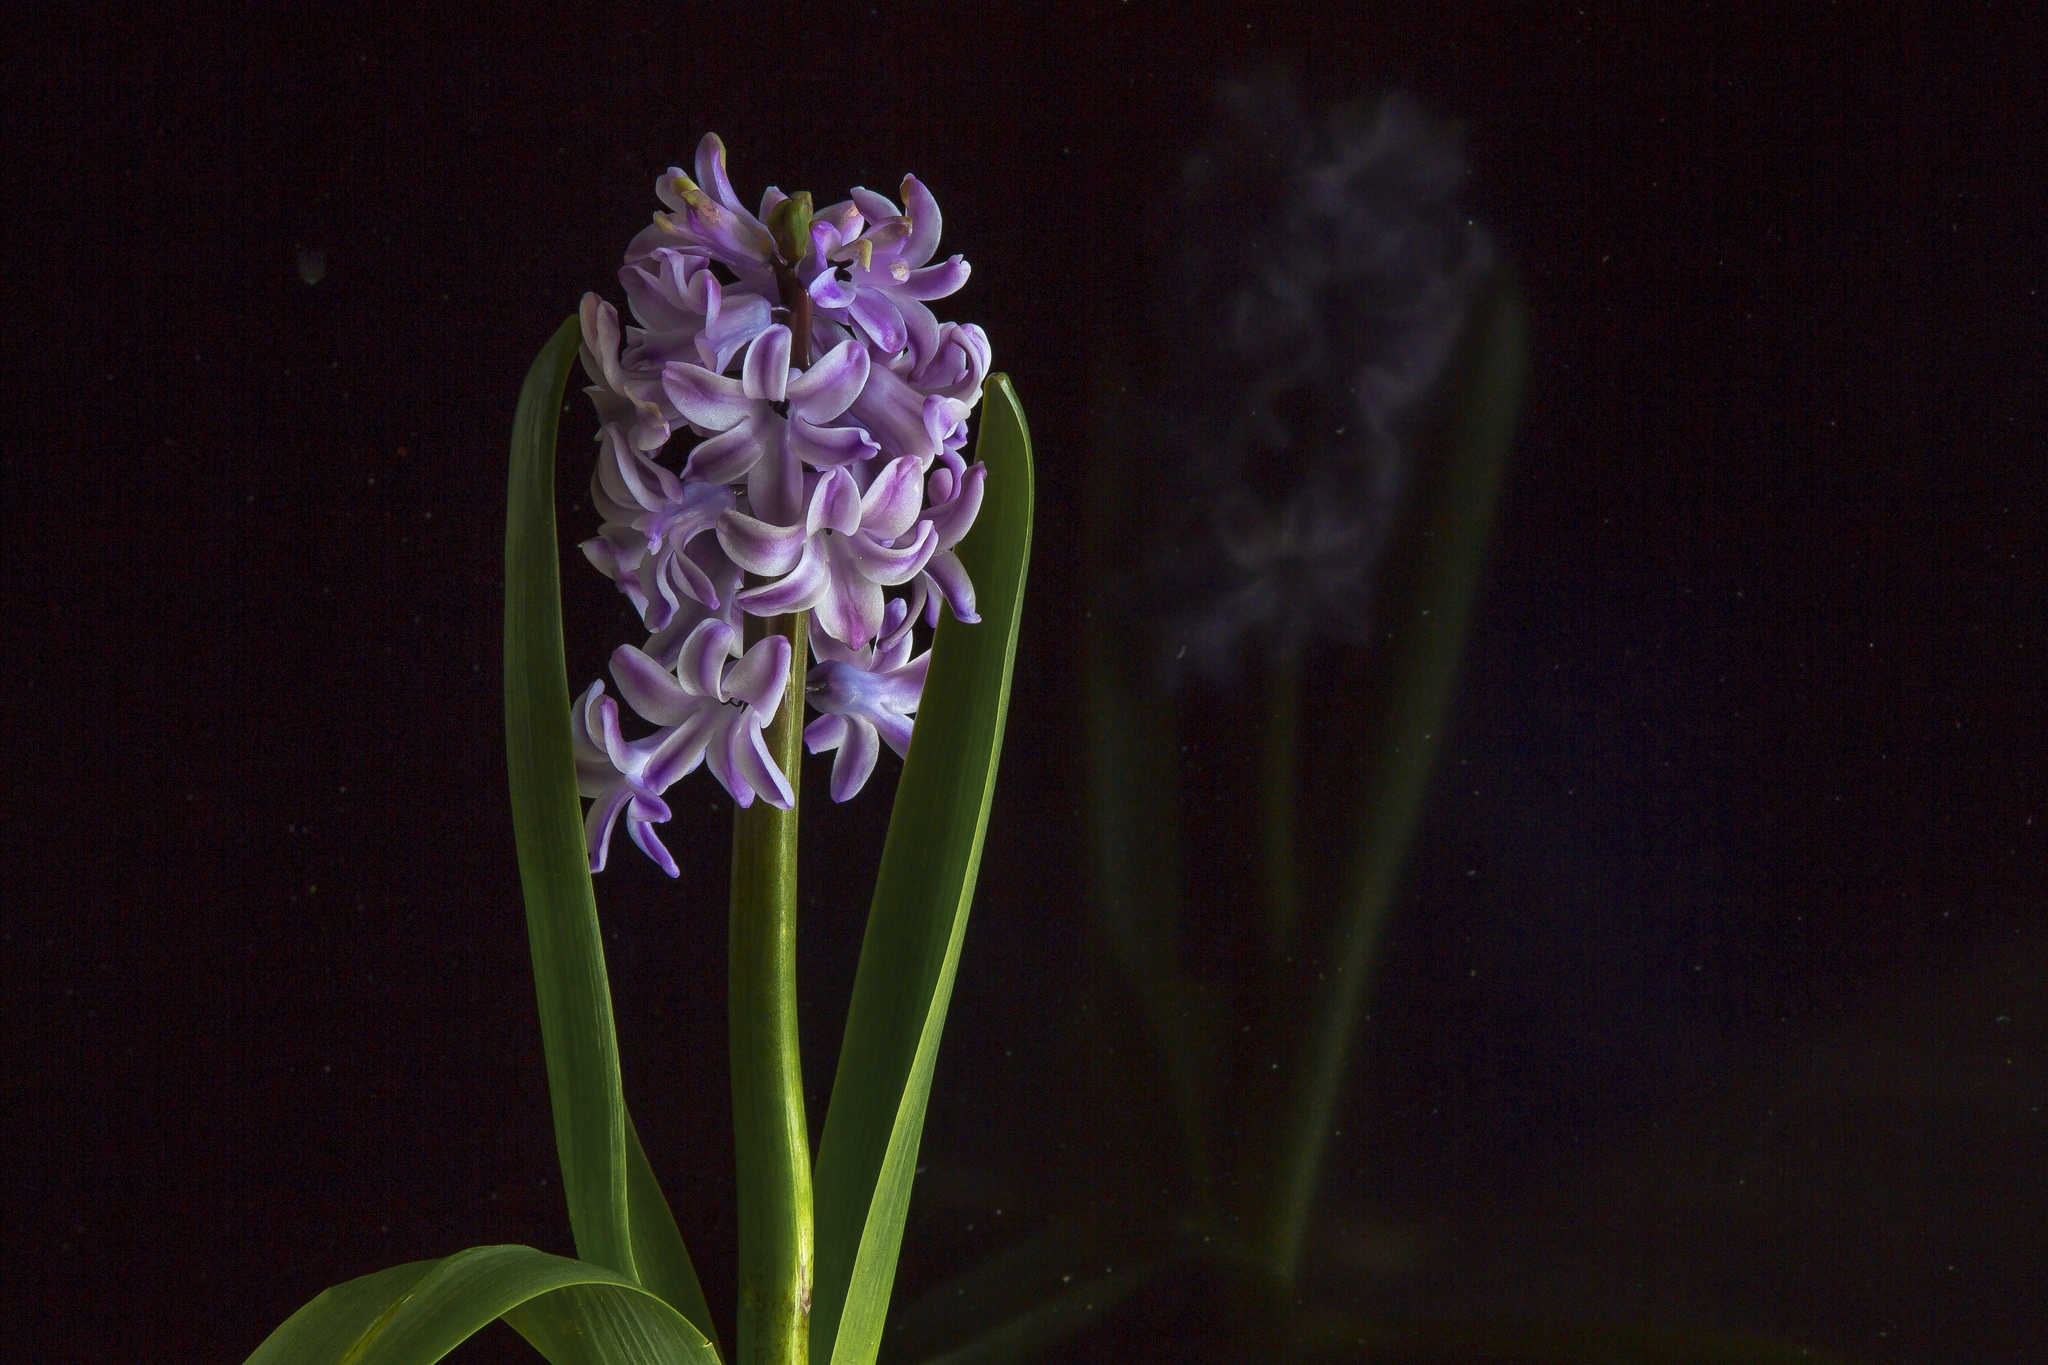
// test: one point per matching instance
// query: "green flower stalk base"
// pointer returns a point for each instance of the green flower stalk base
(631, 1296)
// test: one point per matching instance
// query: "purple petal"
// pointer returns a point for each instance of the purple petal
(850, 610)
(893, 413)
(879, 317)
(855, 761)
(829, 387)
(650, 689)
(826, 732)
(683, 749)
(711, 171)
(700, 667)
(765, 375)
(829, 291)
(955, 517)
(829, 447)
(895, 730)
(751, 763)
(643, 835)
(921, 329)
(707, 400)
(775, 485)
(890, 565)
(835, 505)
(742, 318)
(892, 501)
(936, 281)
(949, 577)
(873, 206)
(759, 547)
(925, 223)
(731, 455)
(798, 591)
(597, 825)
(760, 676)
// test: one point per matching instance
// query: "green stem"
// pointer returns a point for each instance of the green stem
(771, 1136)
(1278, 777)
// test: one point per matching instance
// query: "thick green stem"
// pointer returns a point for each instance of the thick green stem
(1278, 777)
(771, 1136)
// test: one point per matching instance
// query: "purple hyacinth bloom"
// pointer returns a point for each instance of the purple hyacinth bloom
(868, 696)
(879, 281)
(632, 402)
(712, 707)
(685, 313)
(765, 425)
(836, 560)
(955, 490)
(619, 776)
(651, 516)
(710, 218)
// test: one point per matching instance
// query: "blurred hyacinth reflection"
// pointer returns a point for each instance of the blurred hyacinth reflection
(1321, 273)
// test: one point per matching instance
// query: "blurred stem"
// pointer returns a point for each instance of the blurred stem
(771, 1137)
(1432, 582)
(1279, 774)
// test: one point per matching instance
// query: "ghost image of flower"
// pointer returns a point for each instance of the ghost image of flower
(1322, 274)
(781, 429)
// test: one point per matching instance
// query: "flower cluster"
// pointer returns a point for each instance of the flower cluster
(1322, 275)
(818, 410)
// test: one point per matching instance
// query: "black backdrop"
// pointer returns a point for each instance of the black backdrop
(1716, 991)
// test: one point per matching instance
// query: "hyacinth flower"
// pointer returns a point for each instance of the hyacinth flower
(868, 696)
(741, 494)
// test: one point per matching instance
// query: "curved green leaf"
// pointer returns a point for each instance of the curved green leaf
(574, 1313)
(922, 894)
(615, 1205)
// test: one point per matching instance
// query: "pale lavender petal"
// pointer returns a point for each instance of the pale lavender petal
(759, 547)
(798, 591)
(835, 504)
(936, 281)
(829, 447)
(829, 387)
(954, 518)
(682, 750)
(650, 689)
(880, 318)
(743, 317)
(873, 206)
(711, 171)
(851, 607)
(893, 413)
(855, 762)
(921, 329)
(945, 421)
(751, 764)
(643, 835)
(889, 565)
(925, 224)
(760, 676)
(731, 455)
(597, 824)
(683, 571)
(894, 728)
(826, 732)
(892, 501)
(829, 291)
(701, 666)
(949, 577)
(707, 400)
(894, 644)
(765, 375)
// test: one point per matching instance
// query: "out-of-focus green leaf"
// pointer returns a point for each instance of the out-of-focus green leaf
(616, 1209)
(574, 1313)
(1431, 581)
(1334, 1337)
(919, 914)
(1031, 1296)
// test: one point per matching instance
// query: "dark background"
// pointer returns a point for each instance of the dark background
(1716, 995)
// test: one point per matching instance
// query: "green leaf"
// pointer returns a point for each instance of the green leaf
(574, 1313)
(912, 948)
(1431, 581)
(616, 1209)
